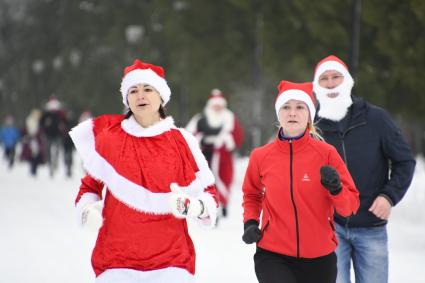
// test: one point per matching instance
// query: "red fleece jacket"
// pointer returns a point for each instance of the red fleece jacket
(283, 182)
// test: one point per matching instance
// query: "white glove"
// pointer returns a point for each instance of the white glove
(91, 217)
(229, 142)
(182, 205)
(225, 139)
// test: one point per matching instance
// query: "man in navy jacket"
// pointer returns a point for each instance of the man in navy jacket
(379, 160)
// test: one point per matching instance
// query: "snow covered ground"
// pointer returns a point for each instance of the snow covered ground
(40, 241)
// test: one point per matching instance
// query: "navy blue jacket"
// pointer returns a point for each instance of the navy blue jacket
(377, 156)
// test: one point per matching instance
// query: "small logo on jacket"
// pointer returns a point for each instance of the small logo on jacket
(306, 178)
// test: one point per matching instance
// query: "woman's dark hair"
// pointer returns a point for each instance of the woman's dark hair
(161, 110)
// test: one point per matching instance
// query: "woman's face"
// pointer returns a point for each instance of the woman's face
(293, 117)
(143, 100)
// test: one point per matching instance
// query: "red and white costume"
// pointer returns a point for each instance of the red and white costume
(219, 135)
(140, 240)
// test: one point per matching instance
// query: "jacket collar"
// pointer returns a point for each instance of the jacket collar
(297, 144)
(131, 127)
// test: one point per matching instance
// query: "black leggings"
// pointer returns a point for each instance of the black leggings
(271, 267)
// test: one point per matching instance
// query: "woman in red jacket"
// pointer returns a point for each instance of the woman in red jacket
(155, 177)
(296, 182)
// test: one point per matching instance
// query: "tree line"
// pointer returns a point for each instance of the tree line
(76, 50)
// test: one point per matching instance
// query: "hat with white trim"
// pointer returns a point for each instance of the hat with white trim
(145, 73)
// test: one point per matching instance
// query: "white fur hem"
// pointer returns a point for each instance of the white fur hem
(164, 275)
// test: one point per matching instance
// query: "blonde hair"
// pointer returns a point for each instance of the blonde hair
(314, 132)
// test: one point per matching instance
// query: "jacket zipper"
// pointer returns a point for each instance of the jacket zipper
(292, 197)
(341, 137)
(345, 156)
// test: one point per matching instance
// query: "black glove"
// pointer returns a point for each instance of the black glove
(252, 233)
(329, 178)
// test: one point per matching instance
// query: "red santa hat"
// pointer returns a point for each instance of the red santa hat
(216, 98)
(331, 63)
(145, 73)
(298, 91)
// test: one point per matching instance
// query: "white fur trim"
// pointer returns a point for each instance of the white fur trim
(204, 174)
(132, 127)
(295, 94)
(205, 177)
(328, 66)
(336, 66)
(217, 101)
(133, 195)
(145, 76)
(164, 275)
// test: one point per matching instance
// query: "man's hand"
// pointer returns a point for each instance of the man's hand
(381, 207)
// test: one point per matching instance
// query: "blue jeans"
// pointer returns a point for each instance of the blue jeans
(368, 249)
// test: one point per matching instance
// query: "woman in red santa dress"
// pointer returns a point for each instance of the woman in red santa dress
(155, 177)
(219, 133)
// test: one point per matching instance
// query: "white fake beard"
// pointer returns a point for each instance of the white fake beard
(334, 108)
(215, 119)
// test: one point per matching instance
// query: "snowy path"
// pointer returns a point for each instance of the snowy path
(40, 241)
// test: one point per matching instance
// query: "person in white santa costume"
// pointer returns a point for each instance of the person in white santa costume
(219, 133)
(155, 176)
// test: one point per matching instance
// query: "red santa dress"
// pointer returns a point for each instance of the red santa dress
(140, 240)
(218, 141)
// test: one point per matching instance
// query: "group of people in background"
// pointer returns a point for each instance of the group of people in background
(42, 139)
(315, 199)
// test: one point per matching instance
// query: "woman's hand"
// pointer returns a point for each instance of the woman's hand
(182, 205)
(91, 217)
(251, 234)
(330, 179)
